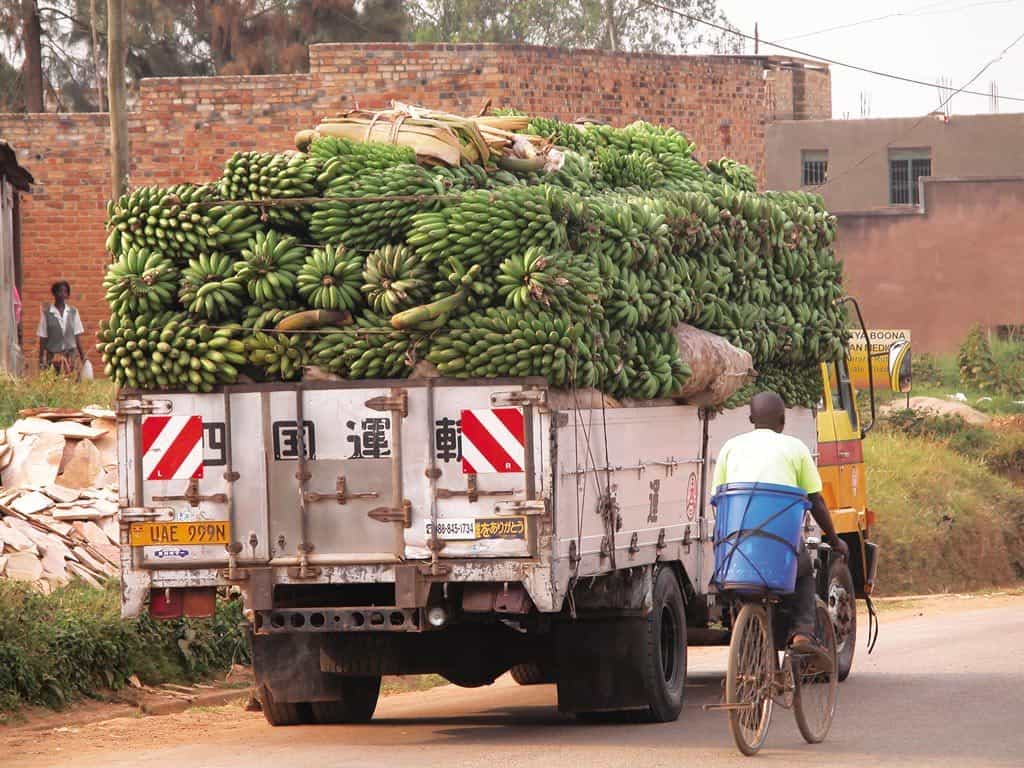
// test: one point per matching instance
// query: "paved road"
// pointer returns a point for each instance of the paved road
(945, 687)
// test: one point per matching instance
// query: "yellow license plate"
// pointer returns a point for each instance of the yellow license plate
(160, 534)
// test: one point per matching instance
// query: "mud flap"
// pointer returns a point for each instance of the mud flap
(600, 668)
(289, 665)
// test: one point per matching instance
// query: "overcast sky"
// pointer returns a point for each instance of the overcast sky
(928, 40)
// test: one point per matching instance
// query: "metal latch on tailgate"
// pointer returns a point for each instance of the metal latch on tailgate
(519, 399)
(341, 494)
(140, 406)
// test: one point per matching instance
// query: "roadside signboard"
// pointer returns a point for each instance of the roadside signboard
(890, 350)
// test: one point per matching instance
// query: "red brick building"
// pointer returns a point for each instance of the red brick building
(183, 129)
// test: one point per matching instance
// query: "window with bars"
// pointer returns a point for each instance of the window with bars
(905, 168)
(815, 167)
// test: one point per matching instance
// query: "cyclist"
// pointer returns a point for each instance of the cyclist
(765, 455)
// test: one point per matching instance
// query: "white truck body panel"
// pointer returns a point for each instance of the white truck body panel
(604, 488)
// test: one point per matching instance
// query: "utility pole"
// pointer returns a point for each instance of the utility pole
(32, 68)
(757, 39)
(116, 62)
(93, 20)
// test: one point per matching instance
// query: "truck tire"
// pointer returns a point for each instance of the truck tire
(531, 673)
(357, 704)
(279, 713)
(842, 608)
(665, 650)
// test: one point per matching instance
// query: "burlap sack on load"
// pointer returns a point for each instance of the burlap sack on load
(719, 368)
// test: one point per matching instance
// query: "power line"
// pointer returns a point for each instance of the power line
(943, 103)
(806, 55)
(913, 13)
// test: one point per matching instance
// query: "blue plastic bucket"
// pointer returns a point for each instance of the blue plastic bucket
(757, 536)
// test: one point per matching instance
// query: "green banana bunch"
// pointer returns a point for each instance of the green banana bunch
(370, 350)
(484, 227)
(172, 220)
(331, 278)
(374, 223)
(558, 281)
(622, 170)
(734, 174)
(235, 226)
(279, 355)
(272, 176)
(456, 276)
(211, 289)
(502, 342)
(395, 278)
(270, 266)
(341, 157)
(167, 351)
(140, 281)
(257, 318)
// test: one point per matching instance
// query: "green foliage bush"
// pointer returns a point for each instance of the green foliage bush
(50, 390)
(72, 643)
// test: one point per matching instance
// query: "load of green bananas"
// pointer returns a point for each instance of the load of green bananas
(269, 268)
(169, 351)
(577, 272)
(171, 220)
(140, 281)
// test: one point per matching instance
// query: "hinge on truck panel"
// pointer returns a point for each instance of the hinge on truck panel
(519, 399)
(138, 406)
(392, 515)
(396, 402)
(341, 493)
(193, 497)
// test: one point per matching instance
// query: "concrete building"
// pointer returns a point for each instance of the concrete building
(863, 165)
(930, 225)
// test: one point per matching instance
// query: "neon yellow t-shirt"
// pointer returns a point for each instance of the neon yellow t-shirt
(765, 456)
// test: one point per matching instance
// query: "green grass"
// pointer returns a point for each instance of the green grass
(945, 522)
(51, 390)
(60, 647)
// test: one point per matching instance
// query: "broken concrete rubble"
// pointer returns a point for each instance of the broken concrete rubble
(58, 512)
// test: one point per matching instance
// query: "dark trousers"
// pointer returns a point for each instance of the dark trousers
(801, 602)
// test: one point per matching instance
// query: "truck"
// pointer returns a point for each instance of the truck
(463, 527)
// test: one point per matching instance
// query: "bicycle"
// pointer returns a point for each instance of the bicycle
(757, 537)
(756, 680)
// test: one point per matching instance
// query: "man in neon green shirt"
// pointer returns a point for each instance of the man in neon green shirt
(768, 456)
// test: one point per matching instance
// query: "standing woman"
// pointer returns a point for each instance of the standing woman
(60, 333)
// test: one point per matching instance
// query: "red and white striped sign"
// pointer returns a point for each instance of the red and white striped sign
(172, 447)
(493, 440)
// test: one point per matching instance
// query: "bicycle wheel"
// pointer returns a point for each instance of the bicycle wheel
(814, 699)
(748, 681)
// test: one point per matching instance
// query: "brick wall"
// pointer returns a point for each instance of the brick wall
(184, 129)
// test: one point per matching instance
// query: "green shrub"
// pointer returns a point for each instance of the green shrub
(50, 390)
(977, 365)
(59, 647)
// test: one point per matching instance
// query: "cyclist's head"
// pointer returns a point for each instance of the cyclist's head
(768, 411)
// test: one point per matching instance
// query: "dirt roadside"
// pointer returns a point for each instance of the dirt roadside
(93, 728)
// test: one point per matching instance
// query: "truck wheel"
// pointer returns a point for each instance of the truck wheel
(531, 673)
(356, 705)
(283, 712)
(842, 608)
(665, 650)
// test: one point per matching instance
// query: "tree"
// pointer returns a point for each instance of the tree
(627, 25)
